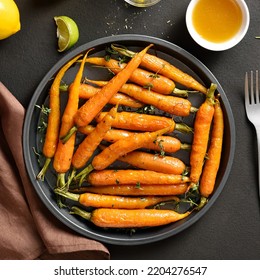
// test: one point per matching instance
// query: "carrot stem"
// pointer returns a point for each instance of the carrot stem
(83, 174)
(67, 136)
(41, 174)
(82, 213)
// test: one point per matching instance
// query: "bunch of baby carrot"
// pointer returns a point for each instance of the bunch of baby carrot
(125, 198)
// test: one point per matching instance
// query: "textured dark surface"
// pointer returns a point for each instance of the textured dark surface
(231, 228)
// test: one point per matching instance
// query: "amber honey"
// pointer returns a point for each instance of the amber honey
(217, 20)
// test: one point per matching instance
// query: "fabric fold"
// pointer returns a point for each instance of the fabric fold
(28, 229)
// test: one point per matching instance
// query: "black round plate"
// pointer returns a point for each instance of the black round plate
(32, 141)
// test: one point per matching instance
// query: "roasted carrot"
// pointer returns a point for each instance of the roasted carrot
(163, 144)
(147, 161)
(86, 91)
(135, 190)
(167, 144)
(144, 122)
(129, 218)
(115, 201)
(87, 147)
(64, 152)
(202, 125)
(124, 146)
(171, 104)
(209, 173)
(121, 147)
(134, 177)
(52, 132)
(140, 76)
(176, 91)
(94, 105)
(163, 67)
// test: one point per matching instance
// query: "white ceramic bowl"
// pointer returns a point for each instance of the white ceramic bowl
(142, 4)
(223, 45)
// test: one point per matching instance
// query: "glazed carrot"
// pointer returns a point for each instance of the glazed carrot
(212, 162)
(171, 104)
(140, 76)
(129, 218)
(115, 201)
(202, 127)
(136, 190)
(164, 143)
(124, 146)
(161, 66)
(176, 91)
(87, 147)
(64, 152)
(121, 147)
(144, 122)
(134, 177)
(86, 91)
(167, 144)
(52, 132)
(94, 105)
(147, 161)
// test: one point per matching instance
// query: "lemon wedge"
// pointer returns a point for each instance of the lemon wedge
(67, 32)
(9, 18)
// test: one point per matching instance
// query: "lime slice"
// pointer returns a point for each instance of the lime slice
(67, 32)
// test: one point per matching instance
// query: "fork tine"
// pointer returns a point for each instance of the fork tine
(256, 86)
(252, 97)
(246, 89)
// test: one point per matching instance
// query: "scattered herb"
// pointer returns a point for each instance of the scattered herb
(64, 87)
(44, 109)
(110, 51)
(37, 154)
(160, 145)
(122, 60)
(148, 86)
(155, 76)
(43, 122)
(148, 109)
(185, 172)
(107, 57)
(132, 231)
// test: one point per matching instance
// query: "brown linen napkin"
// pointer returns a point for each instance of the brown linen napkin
(28, 229)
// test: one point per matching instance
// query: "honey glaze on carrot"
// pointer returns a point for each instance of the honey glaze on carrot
(217, 20)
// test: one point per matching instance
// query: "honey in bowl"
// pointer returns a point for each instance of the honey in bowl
(217, 20)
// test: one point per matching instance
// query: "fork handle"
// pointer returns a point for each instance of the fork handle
(258, 151)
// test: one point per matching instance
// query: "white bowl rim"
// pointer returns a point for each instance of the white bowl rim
(223, 45)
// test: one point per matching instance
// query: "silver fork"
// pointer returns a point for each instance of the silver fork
(252, 105)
